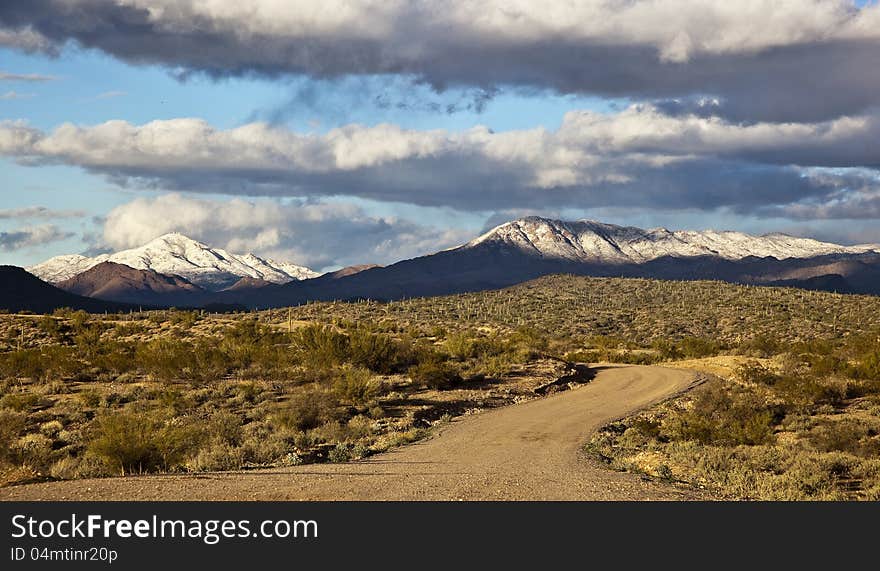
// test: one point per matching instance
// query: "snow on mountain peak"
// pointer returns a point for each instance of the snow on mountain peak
(592, 241)
(177, 254)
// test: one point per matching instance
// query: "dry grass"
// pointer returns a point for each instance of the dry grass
(333, 381)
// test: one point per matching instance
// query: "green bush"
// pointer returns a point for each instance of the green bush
(20, 401)
(308, 408)
(320, 345)
(850, 437)
(12, 423)
(868, 367)
(40, 364)
(376, 352)
(723, 416)
(355, 385)
(761, 346)
(808, 391)
(142, 442)
(755, 372)
(434, 375)
(169, 360)
(698, 347)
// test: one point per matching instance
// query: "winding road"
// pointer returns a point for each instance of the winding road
(528, 451)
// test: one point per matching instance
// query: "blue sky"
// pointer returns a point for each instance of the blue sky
(89, 87)
(638, 92)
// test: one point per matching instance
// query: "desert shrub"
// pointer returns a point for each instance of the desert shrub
(460, 346)
(584, 356)
(606, 342)
(78, 319)
(434, 375)
(868, 367)
(808, 391)
(320, 345)
(52, 326)
(376, 352)
(247, 344)
(167, 360)
(341, 453)
(114, 357)
(20, 401)
(39, 364)
(647, 427)
(51, 428)
(88, 340)
(89, 398)
(308, 408)
(667, 349)
(722, 415)
(355, 385)
(185, 319)
(142, 442)
(32, 449)
(699, 347)
(530, 340)
(761, 346)
(842, 436)
(218, 457)
(755, 372)
(225, 427)
(12, 424)
(825, 365)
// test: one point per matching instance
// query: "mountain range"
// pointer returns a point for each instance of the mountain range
(212, 269)
(22, 291)
(175, 270)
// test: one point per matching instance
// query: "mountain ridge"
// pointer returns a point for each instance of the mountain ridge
(176, 254)
(117, 282)
(22, 291)
(531, 247)
(593, 241)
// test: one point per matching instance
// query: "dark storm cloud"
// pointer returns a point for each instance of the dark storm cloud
(767, 61)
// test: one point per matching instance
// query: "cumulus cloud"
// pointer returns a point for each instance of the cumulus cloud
(25, 38)
(852, 195)
(321, 235)
(39, 212)
(637, 157)
(767, 59)
(30, 236)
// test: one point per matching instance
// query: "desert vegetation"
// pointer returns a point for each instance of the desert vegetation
(792, 409)
(164, 391)
(800, 423)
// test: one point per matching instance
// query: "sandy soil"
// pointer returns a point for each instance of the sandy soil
(528, 451)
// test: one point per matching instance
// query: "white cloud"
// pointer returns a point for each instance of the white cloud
(639, 155)
(28, 40)
(27, 77)
(30, 236)
(316, 234)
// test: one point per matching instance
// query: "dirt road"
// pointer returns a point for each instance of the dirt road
(529, 451)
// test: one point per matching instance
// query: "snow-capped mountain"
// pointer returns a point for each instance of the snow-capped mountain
(596, 242)
(175, 254)
(60, 268)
